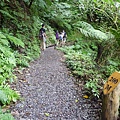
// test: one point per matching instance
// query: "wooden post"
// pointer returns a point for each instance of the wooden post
(110, 102)
(110, 105)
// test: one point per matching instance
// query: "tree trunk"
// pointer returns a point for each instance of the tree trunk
(99, 52)
(89, 17)
(31, 2)
(110, 105)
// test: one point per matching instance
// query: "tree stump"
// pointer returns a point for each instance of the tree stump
(110, 104)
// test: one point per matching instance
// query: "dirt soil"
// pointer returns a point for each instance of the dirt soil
(49, 92)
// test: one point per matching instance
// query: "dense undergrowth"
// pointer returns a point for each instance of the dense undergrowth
(81, 59)
(84, 66)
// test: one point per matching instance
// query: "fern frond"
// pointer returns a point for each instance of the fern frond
(3, 39)
(6, 116)
(18, 14)
(3, 97)
(15, 40)
(63, 6)
(5, 50)
(87, 30)
(99, 34)
(48, 2)
(116, 34)
(84, 25)
(10, 58)
(42, 3)
(7, 14)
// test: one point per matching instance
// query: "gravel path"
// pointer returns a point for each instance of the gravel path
(49, 92)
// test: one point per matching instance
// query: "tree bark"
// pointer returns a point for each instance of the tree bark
(99, 52)
(110, 105)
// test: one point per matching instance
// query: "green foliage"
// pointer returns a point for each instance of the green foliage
(7, 64)
(88, 30)
(117, 34)
(102, 40)
(60, 16)
(3, 39)
(12, 96)
(8, 95)
(7, 14)
(5, 115)
(15, 40)
(92, 86)
(33, 50)
(7, 59)
(50, 36)
(3, 97)
(83, 65)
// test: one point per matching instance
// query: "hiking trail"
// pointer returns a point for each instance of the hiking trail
(49, 92)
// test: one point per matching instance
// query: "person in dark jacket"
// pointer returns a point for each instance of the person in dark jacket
(64, 37)
(42, 37)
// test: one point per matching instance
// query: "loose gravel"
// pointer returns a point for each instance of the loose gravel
(49, 92)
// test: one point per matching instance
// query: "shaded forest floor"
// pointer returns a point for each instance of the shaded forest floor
(49, 92)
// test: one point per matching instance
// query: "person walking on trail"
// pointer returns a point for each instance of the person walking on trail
(57, 37)
(42, 37)
(61, 38)
(64, 37)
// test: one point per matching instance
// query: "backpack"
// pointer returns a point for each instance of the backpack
(41, 33)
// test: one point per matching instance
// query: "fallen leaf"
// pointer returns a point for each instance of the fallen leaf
(85, 96)
(47, 114)
(76, 100)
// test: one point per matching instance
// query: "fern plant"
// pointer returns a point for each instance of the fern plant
(3, 97)
(7, 14)
(5, 115)
(15, 40)
(117, 34)
(101, 39)
(88, 30)
(83, 66)
(7, 95)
